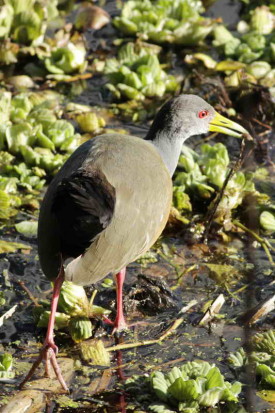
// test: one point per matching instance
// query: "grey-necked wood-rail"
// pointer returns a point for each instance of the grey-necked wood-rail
(110, 201)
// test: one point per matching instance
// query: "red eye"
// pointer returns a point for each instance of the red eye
(203, 114)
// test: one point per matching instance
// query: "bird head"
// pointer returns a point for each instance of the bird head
(185, 116)
(197, 116)
(188, 115)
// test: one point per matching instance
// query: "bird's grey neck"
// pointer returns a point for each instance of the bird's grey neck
(169, 148)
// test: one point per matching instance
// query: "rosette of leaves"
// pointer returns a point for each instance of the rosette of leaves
(262, 357)
(189, 388)
(137, 73)
(74, 312)
(65, 60)
(165, 21)
(34, 143)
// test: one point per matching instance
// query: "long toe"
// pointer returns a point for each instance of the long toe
(48, 355)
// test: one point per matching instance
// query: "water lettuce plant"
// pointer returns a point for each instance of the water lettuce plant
(262, 357)
(24, 21)
(34, 143)
(201, 175)
(189, 388)
(164, 21)
(137, 73)
(74, 312)
(67, 59)
(249, 54)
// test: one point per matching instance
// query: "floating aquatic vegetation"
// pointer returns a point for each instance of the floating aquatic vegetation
(34, 143)
(90, 122)
(66, 60)
(6, 366)
(137, 73)
(74, 312)
(250, 54)
(24, 30)
(202, 174)
(24, 20)
(194, 385)
(165, 21)
(25, 23)
(262, 357)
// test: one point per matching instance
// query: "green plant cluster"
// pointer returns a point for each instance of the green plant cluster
(24, 28)
(24, 21)
(136, 73)
(201, 175)
(165, 21)
(262, 357)
(74, 312)
(189, 388)
(254, 47)
(34, 143)
(249, 54)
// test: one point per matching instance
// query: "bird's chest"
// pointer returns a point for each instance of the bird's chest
(143, 201)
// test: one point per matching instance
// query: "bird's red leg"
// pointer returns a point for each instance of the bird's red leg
(119, 323)
(49, 349)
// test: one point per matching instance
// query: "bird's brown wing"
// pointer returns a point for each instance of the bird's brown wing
(83, 205)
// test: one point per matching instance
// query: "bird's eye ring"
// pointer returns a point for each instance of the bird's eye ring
(203, 114)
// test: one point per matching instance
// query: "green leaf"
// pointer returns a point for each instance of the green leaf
(73, 300)
(174, 374)
(211, 397)
(238, 359)
(231, 392)
(5, 362)
(61, 320)
(184, 390)
(18, 136)
(27, 228)
(267, 221)
(214, 378)
(80, 328)
(159, 385)
(6, 19)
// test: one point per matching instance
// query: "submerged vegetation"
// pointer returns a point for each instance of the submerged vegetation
(61, 82)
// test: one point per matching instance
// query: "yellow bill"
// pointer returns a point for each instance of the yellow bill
(223, 125)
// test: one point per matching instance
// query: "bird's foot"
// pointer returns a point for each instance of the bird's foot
(118, 325)
(48, 354)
